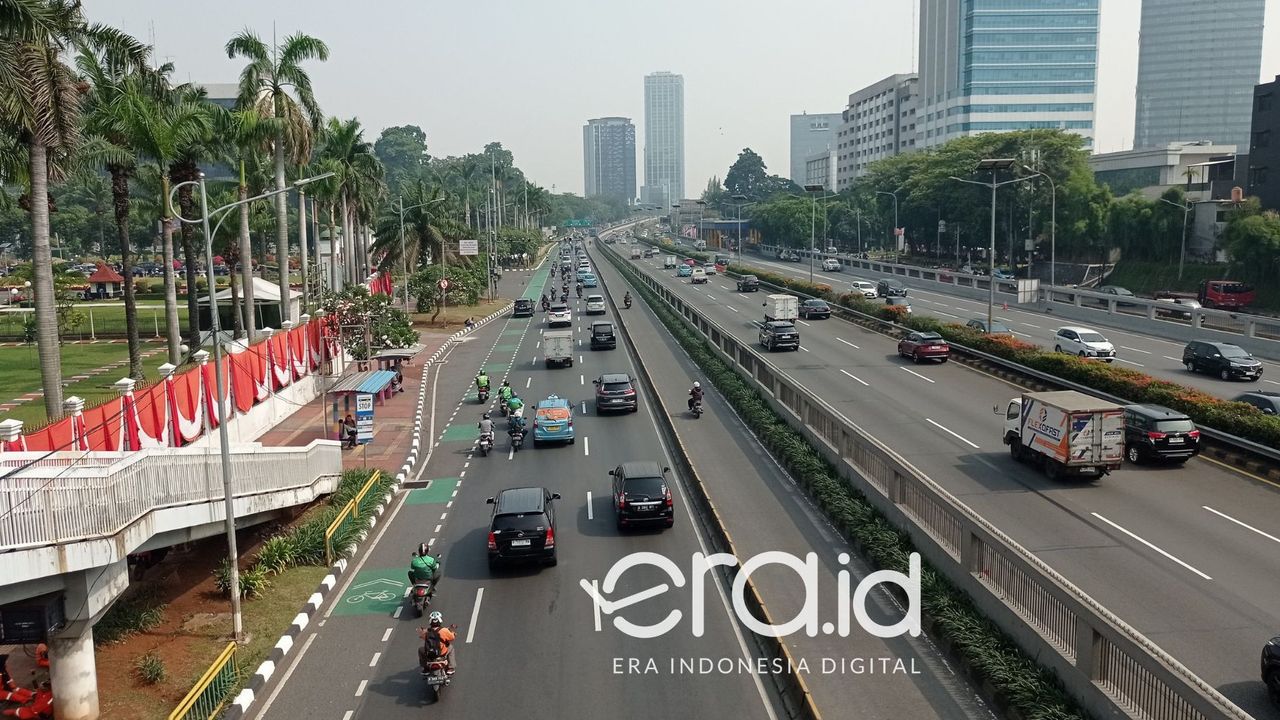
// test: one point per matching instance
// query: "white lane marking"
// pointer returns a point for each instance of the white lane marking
(855, 377)
(732, 308)
(1166, 357)
(586, 445)
(1126, 347)
(443, 515)
(584, 406)
(913, 372)
(946, 314)
(360, 687)
(846, 342)
(582, 380)
(396, 614)
(387, 635)
(437, 528)
(804, 348)
(1242, 524)
(537, 345)
(1273, 382)
(713, 297)
(475, 614)
(284, 679)
(580, 360)
(591, 513)
(1129, 362)
(1015, 332)
(1150, 545)
(528, 381)
(348, 714)
(952, 433)
(449, 504)
(803, 323)
(455, 492)
(374, 661)
(1030, 325)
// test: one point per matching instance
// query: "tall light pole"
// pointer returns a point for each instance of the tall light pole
(740, 205)
(702, 213)
(675, 222)
(215, 327)
(1053, 227)
(894, 195)
(813, 222)
(1186, 210)
(994, 165)
(404, 261)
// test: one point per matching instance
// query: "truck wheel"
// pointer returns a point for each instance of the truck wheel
(1015, 450)
(1051, 469)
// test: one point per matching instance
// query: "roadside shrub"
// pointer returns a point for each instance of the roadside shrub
(253, 580)
(277, 554)
(135, 613)
(149, 667)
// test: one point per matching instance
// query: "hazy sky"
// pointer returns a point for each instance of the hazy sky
(529, 73)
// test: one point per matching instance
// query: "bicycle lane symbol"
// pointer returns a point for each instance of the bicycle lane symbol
(377, 591)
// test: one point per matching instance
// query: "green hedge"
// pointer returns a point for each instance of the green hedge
(1239, 419)
(1020, 683)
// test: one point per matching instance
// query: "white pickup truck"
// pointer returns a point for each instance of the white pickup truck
(781, 307)
(1067, 432)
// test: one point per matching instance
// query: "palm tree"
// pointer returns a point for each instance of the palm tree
(427, 226)
(360, 184)
(40, 106)
(262, 85)
(244, 131)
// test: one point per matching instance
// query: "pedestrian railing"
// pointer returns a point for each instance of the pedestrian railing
(212, 690)
(357, 507)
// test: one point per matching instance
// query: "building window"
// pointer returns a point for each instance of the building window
(1262, 139)
(1257, 175)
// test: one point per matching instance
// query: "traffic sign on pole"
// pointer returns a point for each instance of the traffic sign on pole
(468, 247)
(443, 284)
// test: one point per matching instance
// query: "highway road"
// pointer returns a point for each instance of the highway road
(527, 642)
(1148, 353)
(1187, 555)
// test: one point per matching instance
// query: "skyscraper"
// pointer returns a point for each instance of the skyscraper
(1197, 65)
(810, 135)
(663, 139)
(999, 65)
(609, 158)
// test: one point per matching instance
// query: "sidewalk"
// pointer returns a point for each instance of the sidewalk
(392, 420)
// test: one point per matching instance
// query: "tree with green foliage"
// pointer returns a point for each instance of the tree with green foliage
(1252, 240)
(749, 176)
(403, 152)
(368, 322)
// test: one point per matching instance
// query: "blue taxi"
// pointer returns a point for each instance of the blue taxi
(553, 421)
(589, 281)
(684, 271)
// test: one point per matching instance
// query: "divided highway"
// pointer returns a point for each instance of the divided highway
(1186, 555)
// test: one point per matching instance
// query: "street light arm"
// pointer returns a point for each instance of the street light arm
(225, 208)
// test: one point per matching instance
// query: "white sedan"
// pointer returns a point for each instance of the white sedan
(868, 289)
(595, 305)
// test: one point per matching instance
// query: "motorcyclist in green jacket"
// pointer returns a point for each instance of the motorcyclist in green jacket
(423, 567)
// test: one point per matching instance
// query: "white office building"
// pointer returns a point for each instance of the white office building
(810, 134)
(609, 158)
(879, 122)
(663, 139)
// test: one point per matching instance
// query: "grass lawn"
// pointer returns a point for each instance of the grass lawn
(107, 320)
(456, 316)
(22, 375)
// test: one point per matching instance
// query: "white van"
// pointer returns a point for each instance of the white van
(699, 244)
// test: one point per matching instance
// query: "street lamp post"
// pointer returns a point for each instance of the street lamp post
(1186, 210)
(894, 195)
(994, 165)
(740, 205)
(675, 222)
(404, 261)
(1053, 229)
(813, 222)
(702, 213)
(215, 327)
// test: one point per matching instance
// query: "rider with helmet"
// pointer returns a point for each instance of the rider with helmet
(424, 568)
(482, 380)
(695, 395)
(437, 643)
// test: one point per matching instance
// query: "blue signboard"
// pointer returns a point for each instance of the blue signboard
(364, 418)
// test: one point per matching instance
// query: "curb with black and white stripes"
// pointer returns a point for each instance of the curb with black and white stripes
(239, 708)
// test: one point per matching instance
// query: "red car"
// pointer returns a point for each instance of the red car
(924, 346)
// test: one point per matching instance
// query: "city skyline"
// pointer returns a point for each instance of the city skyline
(663, 138)
(609, 158)
(381, 70)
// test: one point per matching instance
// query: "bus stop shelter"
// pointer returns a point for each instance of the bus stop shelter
(375, 383)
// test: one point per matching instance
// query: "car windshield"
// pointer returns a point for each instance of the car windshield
(898, 301)
(931, 336)
(1231, 351)
(553, 413)
(1183, 425)
(651, 487)
(998, 328)
(602, 329)
(616, 386)
(559, 308)
(783, 327)
(523, 522)
(1091, 337)
(595, 298)
(816, 303)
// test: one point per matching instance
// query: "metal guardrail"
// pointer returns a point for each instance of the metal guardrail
(1105, 664)
(46, 504)
(356, 507)
(212, 690)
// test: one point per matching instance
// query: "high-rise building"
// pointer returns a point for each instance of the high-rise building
(810, 135)
(609, 158)
(1000, 65)
(1264, 148)
(663, 139)
(1197, 65)
(879, 122)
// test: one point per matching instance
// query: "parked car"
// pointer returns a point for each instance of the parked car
(1268, 401)
(1003, 274)
(788, 256)
(1120, 293)
(996, 327)
(779, 335)
(522, 527)
(831, 265)
(1154, 432)
(602, 336)
(615, 391)
(641, 495)
(748, 283)
(698, 276)
(1227, 361)
(684, 271)
(899, 302)
(595, 305)
(810, 309)
(924, 346)
(559, 316)
(553, 421)
(522, 307)
(1083, 342)
(891, 288)
(866, 287)
(1180, 307)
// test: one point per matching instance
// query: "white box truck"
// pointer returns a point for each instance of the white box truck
(781, 307)
(557, 348)
(635, 253)
(669, 261)
(1067, 432)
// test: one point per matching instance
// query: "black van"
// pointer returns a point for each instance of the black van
(1155, 432)
(523, 307)
(523, 526)
(602, 337)
(1225, 360)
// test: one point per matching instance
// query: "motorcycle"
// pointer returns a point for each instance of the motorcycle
(486, 443)
(483, 394)
(696, 409)
(517, 440)
(421, 592)
(436, 673)
(503, 408)
(626, 303)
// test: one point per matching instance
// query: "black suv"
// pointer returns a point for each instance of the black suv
(523, 307)
(1225, 360)
(891, 288)
(614, 391)
(1154, 432)
(641, 495)
(748, 283)
(523, 526)
(1271, 669)
(1268, 401)
(602, 337)
(779, 335)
